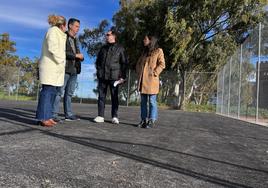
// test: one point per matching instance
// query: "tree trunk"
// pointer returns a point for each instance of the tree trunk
(179, 92)
(182, 92)
(176, 99)
(200, 99)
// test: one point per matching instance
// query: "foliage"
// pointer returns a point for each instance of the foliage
(190, 107)
(16, 74)
(28, 76)
(7, 50)
(93, 39)
(195, 35)
(4, 96)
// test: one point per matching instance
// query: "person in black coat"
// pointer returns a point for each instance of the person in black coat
(111, 65)
(72, 69)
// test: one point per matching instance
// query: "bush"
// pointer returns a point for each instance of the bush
(200, 108)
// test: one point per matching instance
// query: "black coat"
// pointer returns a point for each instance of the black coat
(73, 64)
(111, 63)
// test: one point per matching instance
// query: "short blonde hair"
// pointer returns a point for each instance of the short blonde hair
(56, 20)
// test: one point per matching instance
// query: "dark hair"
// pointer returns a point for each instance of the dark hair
(72, 20)
(113, 30)
(152, 46)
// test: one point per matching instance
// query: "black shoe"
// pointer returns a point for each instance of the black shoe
(150, 124)
(57, 119)
(72, 118)
(142, 124)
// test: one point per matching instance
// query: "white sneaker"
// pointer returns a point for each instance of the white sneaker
(99, 119)
(115, 120)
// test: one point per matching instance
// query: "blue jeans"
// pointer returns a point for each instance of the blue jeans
(66, 91)
(45, 102)
(152, 107)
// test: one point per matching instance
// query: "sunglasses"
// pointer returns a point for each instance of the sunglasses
(109, 34)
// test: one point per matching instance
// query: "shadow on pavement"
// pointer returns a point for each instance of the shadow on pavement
(25, 118)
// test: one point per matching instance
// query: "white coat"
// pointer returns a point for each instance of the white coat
(53, 58)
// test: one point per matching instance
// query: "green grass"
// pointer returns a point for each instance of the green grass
(200, 108)
(4, 96)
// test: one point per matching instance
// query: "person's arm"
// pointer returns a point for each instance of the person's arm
(98, 63)
(123, 63)
(160, 63)
(53, 46)
(138, 65)
(70, 55)
(79, 55)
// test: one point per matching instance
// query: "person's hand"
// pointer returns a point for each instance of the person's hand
(79, 56)
(117, 82)
(121, 80)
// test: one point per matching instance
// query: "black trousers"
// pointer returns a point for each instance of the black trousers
(102, 89)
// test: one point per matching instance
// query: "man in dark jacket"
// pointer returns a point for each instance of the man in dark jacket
(72, 69)
(111, 65)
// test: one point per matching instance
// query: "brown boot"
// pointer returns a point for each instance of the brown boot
(46, 123)
(52, 121)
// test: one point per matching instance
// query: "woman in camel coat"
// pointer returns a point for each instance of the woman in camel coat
(149, 66)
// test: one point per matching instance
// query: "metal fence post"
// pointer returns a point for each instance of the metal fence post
(18, 84)
(37, 93)
(128, 87)
(240, 80)
(258, 74)
(229, 91)
(81, 99)
(184, 86)
(223, 75)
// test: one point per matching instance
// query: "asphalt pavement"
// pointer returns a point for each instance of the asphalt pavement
(191, 150)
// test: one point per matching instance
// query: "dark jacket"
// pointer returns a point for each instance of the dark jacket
(111, 63)
(73, 64)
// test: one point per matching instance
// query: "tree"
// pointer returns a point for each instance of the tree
(28, 76)
(208, 21)
(8, 76)
(195, 35)
(7, 48)
(93, 39)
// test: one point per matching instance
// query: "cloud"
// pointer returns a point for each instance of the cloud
(24, 39)
(25, 20)
(33, 13)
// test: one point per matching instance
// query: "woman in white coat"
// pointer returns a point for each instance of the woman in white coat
(51, 68)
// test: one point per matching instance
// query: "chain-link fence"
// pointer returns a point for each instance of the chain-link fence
(22, 84)
(242, 85)
(201, 89)
(16, 84)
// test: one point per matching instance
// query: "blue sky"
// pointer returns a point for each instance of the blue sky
(26, 22)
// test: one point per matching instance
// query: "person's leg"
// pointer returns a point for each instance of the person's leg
(152, 110)
(52, 99)
(56, 103)
(153, 107)
(143, 107)
(102, 89)
(44, 108)
(59, 95)
(69, 91)
(114, 98)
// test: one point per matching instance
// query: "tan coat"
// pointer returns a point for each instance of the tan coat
(53, 58)
(148, 70)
